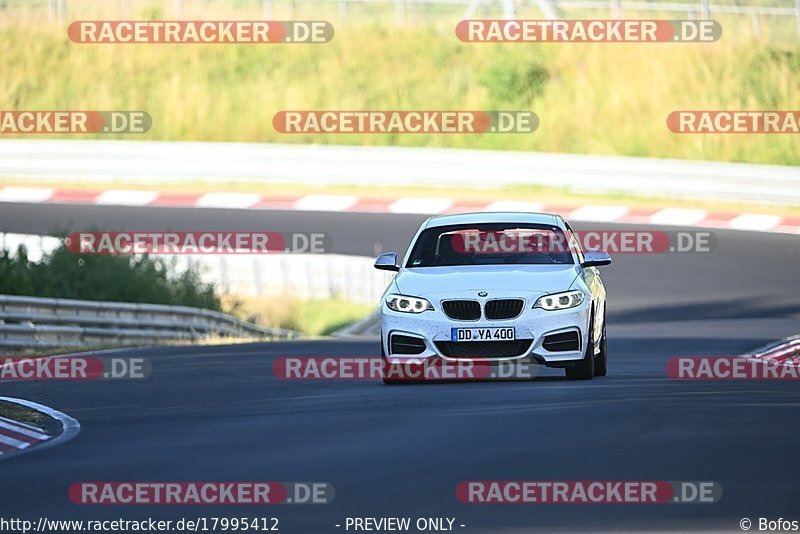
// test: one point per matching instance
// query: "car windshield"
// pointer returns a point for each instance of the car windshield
(490, 244)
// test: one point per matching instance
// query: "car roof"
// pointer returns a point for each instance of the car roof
(493, 217)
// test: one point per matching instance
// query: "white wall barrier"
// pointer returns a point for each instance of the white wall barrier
(300, 276)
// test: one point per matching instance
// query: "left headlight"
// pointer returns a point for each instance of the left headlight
(560, 301)
(404, 303)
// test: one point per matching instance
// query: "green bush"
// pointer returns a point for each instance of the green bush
(63, 274)
(514, 82)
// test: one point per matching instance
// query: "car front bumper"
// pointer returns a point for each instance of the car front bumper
(534, 324)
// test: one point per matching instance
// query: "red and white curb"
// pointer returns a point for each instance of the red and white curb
(786, 351)
(17, 437)
(403, 205)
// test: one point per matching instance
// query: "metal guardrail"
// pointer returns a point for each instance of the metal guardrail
(784, 350)
(47, 322)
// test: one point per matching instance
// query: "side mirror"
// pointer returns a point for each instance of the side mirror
(596, 258)
(387, 262)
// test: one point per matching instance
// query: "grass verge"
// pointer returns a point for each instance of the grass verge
(599, 98)
(316, 317)
(24, 414)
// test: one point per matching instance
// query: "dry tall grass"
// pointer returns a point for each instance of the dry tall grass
(591, 98)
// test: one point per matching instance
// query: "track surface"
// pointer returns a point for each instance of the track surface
(217, 413)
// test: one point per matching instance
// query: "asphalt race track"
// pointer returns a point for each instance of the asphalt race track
(217, 413)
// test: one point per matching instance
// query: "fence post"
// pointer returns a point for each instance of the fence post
(223, 269)
(178, 9)
(706, 9)
(266, 7)
(399, 10)
(797, 16)
(123, 8)
(257, 275)
(756, 26)
(58, 10)
(509, 9)
(616, 8)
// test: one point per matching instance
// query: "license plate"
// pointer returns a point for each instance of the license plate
(505, 333)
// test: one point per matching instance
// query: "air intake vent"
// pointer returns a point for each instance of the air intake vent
(484, 349)
(405, 345)
(562, 342)
(462, 310)
(503, 309)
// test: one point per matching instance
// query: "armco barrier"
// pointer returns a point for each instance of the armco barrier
(47, 322)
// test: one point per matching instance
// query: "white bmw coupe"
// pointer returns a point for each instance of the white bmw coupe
(496, 287)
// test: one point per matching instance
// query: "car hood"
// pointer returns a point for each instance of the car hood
(422, 281)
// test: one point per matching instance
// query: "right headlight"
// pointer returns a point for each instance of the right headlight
(404, 303)
(560, 301)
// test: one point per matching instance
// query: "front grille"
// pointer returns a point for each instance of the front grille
(503, 308)
(406, 345)
(462, 310)
(484, 349)
(562, 342)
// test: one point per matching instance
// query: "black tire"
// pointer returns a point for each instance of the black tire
(389, 381)
(585, 369)
(601, 360)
